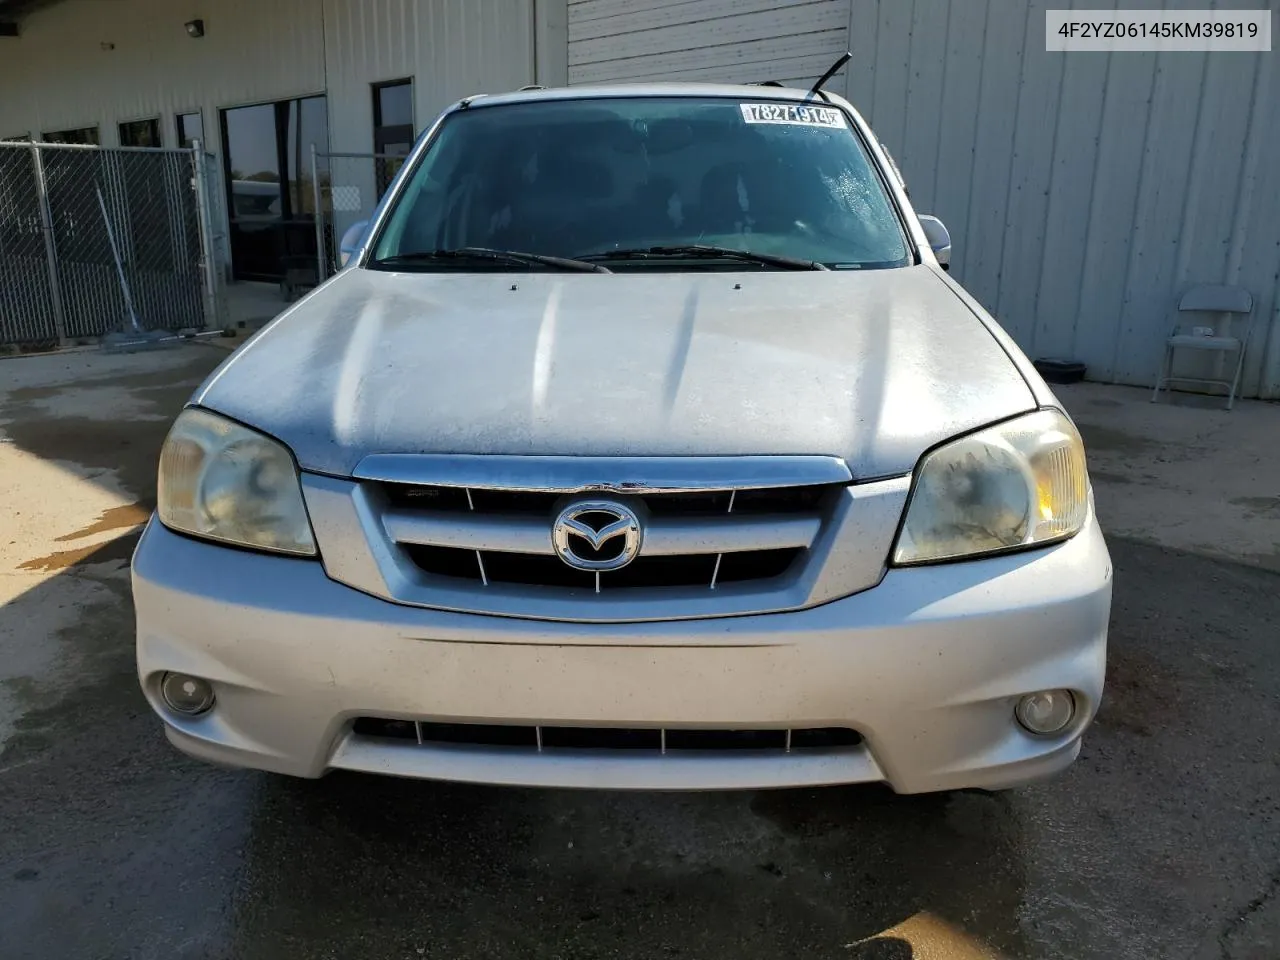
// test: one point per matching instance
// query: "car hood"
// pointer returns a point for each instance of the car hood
(874, 367)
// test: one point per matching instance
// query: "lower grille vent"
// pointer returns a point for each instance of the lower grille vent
(653, 740)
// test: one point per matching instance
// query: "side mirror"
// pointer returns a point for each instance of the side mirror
(351, 241)
(939, 239)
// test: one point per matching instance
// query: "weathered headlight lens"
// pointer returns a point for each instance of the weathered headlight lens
(1018, 484)
(226, 482)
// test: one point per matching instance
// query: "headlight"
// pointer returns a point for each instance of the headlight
(1017, 484)
(226, 482)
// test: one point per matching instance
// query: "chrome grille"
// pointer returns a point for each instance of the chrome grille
(534, 569)
(698, 538)
(776, 500)
(722, 536)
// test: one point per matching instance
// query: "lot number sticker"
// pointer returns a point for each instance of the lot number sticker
(794, 114)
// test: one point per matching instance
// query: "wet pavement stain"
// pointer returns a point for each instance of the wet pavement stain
(114, 518)
(1110, 477)
(1259, 507)
(147, 384)
(120, 549)
(1267, 561)
(1105, 438)
(23, 690)
(1137, 690)
(882, 948)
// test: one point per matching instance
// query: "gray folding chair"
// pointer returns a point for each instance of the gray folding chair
(1210, 299)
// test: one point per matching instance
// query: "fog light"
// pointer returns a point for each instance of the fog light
(186, 695)
(1046, 712)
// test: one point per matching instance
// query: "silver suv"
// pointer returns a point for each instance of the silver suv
(644, 442)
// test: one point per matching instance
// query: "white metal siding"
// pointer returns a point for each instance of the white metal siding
(57, 75)
(1084, 192)
(451, 48)
(725, 40)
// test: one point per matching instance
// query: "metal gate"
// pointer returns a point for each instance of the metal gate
(347, 189)
(92, 238)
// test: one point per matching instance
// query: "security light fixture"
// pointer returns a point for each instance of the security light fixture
(195, 28)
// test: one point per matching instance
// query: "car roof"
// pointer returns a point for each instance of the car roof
(733, 91)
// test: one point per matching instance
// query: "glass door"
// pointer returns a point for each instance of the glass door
(255, 202)
(267, 156)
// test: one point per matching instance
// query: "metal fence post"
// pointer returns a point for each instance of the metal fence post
(50, 248)
(322, 255)
(212, 318)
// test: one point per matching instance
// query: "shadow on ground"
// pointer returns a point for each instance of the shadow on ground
(469, 871)
(88, 433)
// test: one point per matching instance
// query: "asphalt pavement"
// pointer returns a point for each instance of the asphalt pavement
(1160, 842)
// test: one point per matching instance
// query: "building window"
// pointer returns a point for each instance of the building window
(392, 128)
(191, 129)
(20, 138)
(88, 135)
(140, 133)
(267, 152)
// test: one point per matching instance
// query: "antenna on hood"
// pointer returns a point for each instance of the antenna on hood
(816, 89)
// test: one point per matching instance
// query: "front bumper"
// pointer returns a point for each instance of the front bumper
(926, 666)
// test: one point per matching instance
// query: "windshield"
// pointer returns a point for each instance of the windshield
(594, 177)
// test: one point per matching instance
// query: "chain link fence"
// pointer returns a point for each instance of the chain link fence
(27, 293)
(347, 187)
(94, 240)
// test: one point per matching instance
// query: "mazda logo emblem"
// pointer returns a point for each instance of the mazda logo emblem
(596, 535)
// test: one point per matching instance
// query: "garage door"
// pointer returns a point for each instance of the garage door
(731, 41)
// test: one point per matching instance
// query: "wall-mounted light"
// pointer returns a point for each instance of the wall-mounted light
(195, 28)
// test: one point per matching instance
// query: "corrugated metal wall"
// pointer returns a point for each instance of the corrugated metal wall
(451, 48)
(57, 75)
(1084, 192)
(736, 40)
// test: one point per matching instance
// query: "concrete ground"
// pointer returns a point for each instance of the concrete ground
(244, 308)
(249, 305)
(1187, 474)
(1161, 841)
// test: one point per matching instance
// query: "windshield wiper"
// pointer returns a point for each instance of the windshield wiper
(487, 253)
(705, 251)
